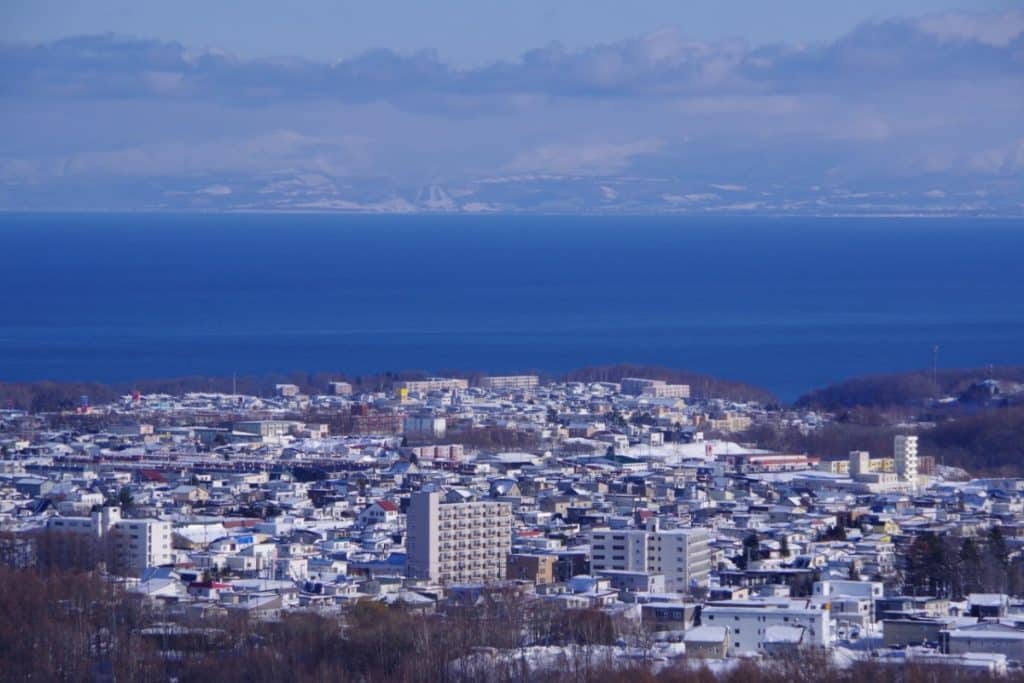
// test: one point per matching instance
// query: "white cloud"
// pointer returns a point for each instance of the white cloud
(598, 159)
(908, 104)
(272, 151)
(215, 190)
(740, 104)
(691, 198)
(997, 30)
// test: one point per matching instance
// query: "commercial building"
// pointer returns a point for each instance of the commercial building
(768, 462)
(683, 556)
(457, 542)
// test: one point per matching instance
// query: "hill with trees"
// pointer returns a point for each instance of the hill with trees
(904, 389)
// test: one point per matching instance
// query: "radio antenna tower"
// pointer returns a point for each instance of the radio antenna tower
(935, 368)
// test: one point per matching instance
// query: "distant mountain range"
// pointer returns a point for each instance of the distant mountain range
(527, 193)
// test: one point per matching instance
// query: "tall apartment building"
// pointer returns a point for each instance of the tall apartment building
(463, 542)
(425, 386)
(683, 556)
(130, 544)
(655, 388)
(509, 382)
(905, 455)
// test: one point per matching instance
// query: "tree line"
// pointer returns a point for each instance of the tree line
(81, 626)
(953, 567)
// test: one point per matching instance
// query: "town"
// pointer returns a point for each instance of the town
(627, 519)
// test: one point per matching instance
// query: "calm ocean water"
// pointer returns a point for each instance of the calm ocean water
(788, 304)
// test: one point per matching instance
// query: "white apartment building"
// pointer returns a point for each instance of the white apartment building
(134, 543)
(683, 556)
(655, 388)
(465, 542)
(851, 602)
(425, 427)
(425, 386)
(905, 455)
(753, 624)
(509, 382)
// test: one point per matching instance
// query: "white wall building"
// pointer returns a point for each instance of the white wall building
(425, 427)
(682, 555)
(905, 455)
(134, 543)
(463, 542)
(655, 388)
(749, 621)
(509, 382)
(425, 386)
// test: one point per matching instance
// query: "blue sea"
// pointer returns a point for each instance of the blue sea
(787, 304)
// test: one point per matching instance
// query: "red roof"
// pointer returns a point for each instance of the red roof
(152, 475)
(387, 506)
(239, 522)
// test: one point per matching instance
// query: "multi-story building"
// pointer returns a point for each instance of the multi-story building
(457, 542)
(655, 388)
(286, 390)
(539, 569)
(339, 388)
(130, 544)
(905, 455)
(267, 429)
(509, 382)
(425, 386)
(756, 625)
(729, 422)
(682, 555)
(425, 427)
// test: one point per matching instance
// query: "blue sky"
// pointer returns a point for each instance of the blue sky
(579, 105)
